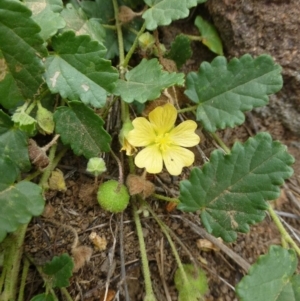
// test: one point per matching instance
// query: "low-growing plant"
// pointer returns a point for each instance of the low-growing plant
(64, 67)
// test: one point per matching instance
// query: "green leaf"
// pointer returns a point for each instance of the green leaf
(210, 36)
(79, 70)
(24, 121)
(163, 12)
(44, 119)
(21, 68)
(181, 50)
(77, 21)
(196, 285)
(13, 143)
(272, 278)
(223, 91)
(146, 81)
(18, 204)
(80, 127)
(60, 269)
(46, 14)
(8, 172)
(231, 190)
(44, 297)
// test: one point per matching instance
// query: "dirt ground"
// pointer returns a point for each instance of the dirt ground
(77, 210)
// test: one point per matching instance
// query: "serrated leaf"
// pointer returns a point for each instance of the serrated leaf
(8, 172)
(46, 13)
(272, 278)
(13, 143)
(80, 127)
(77, 21)
(146, 81)
(210, 36)
(24, 121)
(231, 190)
(21, 68)
(163, 12)
(60, 269)
(196, 285)
(181, 50)
(223, 91)
(100, 9)
(79, 70)
(44, 297)
(18, 204)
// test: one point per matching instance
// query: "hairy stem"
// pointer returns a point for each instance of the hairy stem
(145, 266)
(220, 142)
(165, 198)
(285, 235)
(23, 278)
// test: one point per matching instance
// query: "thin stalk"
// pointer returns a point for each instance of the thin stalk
(285, 235)
(133, 47)
(220, 142)
(23, 278)
(165, 198)
(164, 228)
(119, 32)
(145, 266)
(194, 38)
(66, 294)
(188, 109)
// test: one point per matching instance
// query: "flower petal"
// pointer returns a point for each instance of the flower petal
(150, 158)
(176, 157)
(184, 134)
(143, 133)
(163, 118)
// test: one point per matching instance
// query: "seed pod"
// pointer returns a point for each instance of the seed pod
(137, 184)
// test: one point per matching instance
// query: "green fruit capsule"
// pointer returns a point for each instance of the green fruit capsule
(112, 197)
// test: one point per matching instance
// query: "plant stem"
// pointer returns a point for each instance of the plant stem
(23, 278)
(119, 32)
(145, 266)
(189, 109)
(220, 142)
(165, 198)
(164, 228)
(193, 38)
(66, 293)
(133, 47)
(285, 235)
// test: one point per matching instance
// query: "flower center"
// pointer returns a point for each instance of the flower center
(163, 142)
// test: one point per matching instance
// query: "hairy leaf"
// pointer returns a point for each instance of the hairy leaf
(18, 204)
(210, 36)
(181, 50)
(13, 143)
(60, 269)
(163, 12)
(196, 285)
(223, 91)
(77, 21)
(80, 127)
(272, 278)
(79, 69)
(146, 81)
(21, 68)
(231, 190)
(46, 14)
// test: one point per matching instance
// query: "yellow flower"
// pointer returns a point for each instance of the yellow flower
(162, 141)
(126, 146)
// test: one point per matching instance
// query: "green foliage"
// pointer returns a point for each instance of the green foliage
(163, 12)
(79, 70)
(146, 81)
(80, 127)
(46, 13)
(272, 278)
(60, 270)
(18, 203)
(223, 91)
(21, 68)
(231, 190)
(196, 285)
(181, 50)
(44, 297)
(209, 35)
(24, 121)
